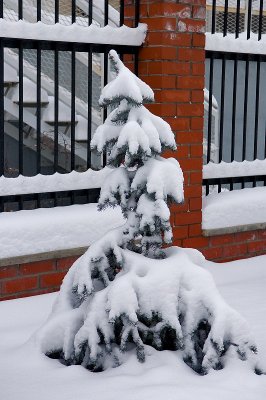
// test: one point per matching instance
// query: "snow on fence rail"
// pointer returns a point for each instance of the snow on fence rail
(234, 169)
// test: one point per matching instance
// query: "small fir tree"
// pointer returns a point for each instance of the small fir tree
(126, 291)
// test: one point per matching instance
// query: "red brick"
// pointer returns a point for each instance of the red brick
(182, 152)
(191, 54)
(195, 204)
(198, 40)
(8, 272)
(65, 263)
(158, 53)
(199, 12)
(169, 9)
(213, 253)
(194, 191)
(52, 280)
(171, 96)
(198, 68)
(234, 250)
(197, 242)
(20, 285)
(261, 234)
(189, 137)
(168, 39)
(194, 230)
(195, 177)
(221, 239)
(162, 109)
(255, 247)
(160, 81)
(160, 23)
(196, 123)
(168, 68)
(245, 236)
(189, 110)
(179, 124)
(196, 150)
(191, 164)
(191, 25)
(37, 267)
(188, 218)
(179, 208)
(197, 96)
(180, 232)
(190, 82)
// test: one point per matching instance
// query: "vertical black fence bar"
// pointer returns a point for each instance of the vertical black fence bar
(225, 17)
(260, 19)
(20, 9)
(56, 11)
(122, 13)
(105, 81)
(137, 10)
(20, 123)
(213, 27)
(73, 111)
(1, 9)
(90, 12)
(257, 104)
(209, 136)
(233, 133)
(249, 18)
(106, 12)
(89, 107)
(56, 106)
(73, 11)
(39, 10)
(2, 121)
(221, 128)
(246, 89)
(237, 18)
(38, 110)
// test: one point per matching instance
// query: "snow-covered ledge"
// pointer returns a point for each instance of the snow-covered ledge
(74, 33)
(229, 43)
(234, 169)
(235, 211)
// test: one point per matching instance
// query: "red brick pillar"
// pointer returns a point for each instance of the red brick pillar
(172, 63)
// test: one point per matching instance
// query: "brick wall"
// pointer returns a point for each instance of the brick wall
(32, 278)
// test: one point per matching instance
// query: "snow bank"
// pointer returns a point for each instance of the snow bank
(52, 183)
(74, 33)
(50, 229)
(218, 42)
(29, 376)
(233, 169)
(238, 207)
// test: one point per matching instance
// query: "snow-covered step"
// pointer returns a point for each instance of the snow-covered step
(64, 113)
(81, 131)
(29, 94)
(10, 75)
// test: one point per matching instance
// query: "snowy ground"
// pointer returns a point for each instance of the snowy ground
(25, 375)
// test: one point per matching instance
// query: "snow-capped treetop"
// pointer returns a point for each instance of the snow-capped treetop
(126, 85)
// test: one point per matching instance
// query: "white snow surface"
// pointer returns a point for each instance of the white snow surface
(27, 375)
(229, 43)
(238, 207)
(233, 169)
(51, 183)
(49, 229)
(74, 33)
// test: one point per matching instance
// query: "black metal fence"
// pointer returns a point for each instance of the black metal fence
(41, 123)
(235, 117)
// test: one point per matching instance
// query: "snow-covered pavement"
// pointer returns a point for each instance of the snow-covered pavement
(26, 375)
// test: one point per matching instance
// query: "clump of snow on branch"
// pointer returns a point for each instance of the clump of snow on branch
(127, 292)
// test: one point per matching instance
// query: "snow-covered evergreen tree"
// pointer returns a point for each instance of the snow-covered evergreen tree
(126, 291)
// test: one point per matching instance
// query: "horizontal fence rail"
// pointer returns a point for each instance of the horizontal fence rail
(235, 116)
(49, 93)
